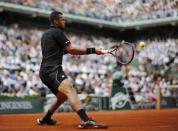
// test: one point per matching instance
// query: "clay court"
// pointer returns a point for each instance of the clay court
(144, 120)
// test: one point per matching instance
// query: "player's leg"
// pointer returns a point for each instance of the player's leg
(66, 87)
(60, 99)
(47, 118)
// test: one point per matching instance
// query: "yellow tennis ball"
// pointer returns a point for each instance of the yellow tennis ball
(142, 44)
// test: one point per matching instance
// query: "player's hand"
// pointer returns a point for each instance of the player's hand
(99, 51)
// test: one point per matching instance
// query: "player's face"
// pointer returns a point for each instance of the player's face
(61, 22)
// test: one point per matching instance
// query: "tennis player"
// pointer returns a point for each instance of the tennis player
(54, 45)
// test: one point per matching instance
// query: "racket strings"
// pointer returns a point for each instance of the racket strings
(124, 54)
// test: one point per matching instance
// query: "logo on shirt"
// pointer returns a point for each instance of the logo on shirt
(67, 42)
(63, 76)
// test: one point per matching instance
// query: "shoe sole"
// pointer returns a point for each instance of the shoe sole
(92, 127)
(38, 122)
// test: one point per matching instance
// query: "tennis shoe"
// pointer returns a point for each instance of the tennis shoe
(42, 121)
(91, 124)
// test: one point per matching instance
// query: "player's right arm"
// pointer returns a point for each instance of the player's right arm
(82, 51)
(65, 44)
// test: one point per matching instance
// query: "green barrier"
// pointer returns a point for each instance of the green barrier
(168, 102)
(20, 105)
(119, 96)
(104, 103)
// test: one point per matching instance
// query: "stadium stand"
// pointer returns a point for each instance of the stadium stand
(110, 10)
(154, 65)
(20, 60)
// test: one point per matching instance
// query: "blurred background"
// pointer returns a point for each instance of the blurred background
(150, 81)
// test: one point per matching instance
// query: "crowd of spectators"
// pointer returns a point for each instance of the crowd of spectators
(20, 55)
(157, 61)
(110, 10)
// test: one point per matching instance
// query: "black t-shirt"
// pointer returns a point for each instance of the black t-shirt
(53, 42)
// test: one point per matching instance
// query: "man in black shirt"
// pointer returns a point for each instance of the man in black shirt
(54, 44)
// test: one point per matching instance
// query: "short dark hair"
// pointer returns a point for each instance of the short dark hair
(54, 16)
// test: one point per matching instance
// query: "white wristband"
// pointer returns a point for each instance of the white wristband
(105, 51)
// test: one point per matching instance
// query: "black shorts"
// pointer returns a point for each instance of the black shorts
(53, 78)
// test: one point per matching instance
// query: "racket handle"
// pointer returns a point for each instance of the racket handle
(105, 51)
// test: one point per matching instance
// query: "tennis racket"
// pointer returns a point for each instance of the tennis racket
(123, 52)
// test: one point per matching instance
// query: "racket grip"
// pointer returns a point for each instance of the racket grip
(105, 51)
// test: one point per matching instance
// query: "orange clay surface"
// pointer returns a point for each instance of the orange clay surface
(133, 120)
